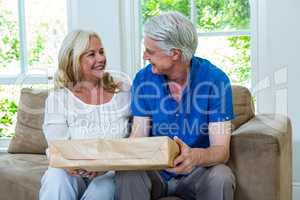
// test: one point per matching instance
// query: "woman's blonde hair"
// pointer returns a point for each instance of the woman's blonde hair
(69, 70)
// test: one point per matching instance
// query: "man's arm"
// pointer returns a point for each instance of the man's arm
(140, 127)
(218, 152)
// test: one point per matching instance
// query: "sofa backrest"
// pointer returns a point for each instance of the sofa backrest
(29, 136)
(242, 105)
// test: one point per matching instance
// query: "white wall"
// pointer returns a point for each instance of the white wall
(102, 17)
(276, 75)
(116, 22)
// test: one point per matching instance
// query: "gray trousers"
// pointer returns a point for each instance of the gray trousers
(212, 183)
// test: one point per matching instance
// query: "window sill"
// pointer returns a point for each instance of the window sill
(25, 79)
(4, 142)
(3, 150)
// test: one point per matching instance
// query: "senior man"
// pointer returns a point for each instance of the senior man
(188, 99)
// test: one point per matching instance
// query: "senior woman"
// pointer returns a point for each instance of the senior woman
(86, 103)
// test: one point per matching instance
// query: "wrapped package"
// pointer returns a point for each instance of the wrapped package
(147, 153)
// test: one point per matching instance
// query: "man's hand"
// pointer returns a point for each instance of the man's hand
(186, 161)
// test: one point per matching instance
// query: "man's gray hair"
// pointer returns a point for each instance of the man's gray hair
(172, 30)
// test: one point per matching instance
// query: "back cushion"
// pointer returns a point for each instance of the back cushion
(242, 105)
(29, 136)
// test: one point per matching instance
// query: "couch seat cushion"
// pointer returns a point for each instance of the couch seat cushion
(20, 175)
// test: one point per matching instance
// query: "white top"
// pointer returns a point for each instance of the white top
(68, 117)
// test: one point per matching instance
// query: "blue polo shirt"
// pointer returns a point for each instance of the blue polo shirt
(206, 98)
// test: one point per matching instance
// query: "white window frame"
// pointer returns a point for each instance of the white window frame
(22, 35)
(131, 37)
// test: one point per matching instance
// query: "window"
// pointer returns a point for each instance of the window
(31, 33)
(223, 28)
(30, 36)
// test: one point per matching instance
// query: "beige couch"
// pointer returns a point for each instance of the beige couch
(260, 151)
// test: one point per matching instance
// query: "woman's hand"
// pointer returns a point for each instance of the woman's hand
(84, 173)
(91, 175)
(75, 172)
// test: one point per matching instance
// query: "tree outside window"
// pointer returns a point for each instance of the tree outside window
(224, 31)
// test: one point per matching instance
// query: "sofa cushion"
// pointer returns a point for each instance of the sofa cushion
(29, 136)
(242, 106)
(20, 175)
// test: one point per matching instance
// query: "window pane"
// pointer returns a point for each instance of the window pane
(154, 7)
(232, 54)
(9, 38)
(46, 26)
(223, 15)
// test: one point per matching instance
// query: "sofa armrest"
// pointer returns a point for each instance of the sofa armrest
(261, 158)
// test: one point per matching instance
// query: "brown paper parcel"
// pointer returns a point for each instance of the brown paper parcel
(148, 153)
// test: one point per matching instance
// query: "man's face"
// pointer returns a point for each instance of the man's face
(161, 62)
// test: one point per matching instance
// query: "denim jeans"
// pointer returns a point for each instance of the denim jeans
(57, 184)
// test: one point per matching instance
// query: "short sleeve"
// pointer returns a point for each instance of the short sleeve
(220, 104)
(139, 106)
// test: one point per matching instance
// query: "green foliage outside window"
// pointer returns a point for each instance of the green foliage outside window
(212, 15)
(7, 117)
(10, 42)
(215, 15)
(222, 15)
(240, 74)
(38, 50)
(152, 8)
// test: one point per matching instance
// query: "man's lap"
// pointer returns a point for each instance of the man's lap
(199, 180)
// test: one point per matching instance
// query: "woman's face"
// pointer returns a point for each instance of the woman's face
(93, 60)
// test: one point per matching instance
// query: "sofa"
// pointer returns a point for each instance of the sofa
(260, 151)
